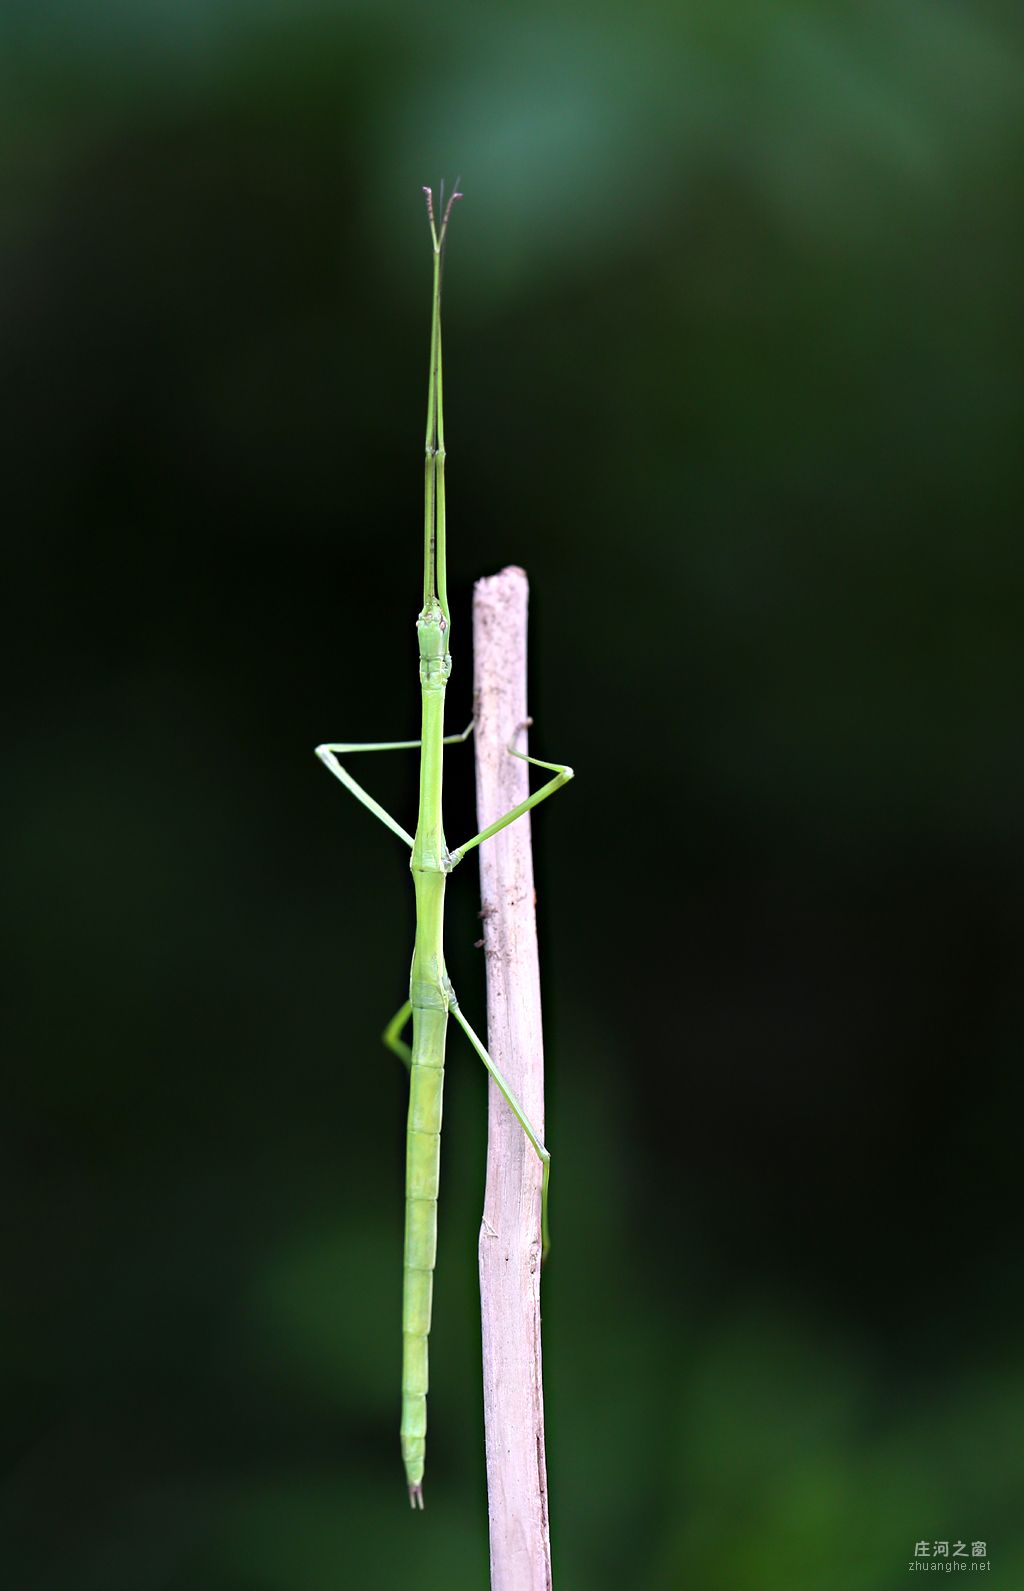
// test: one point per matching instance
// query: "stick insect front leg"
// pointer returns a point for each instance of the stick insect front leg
(563, 773)
(504, 1088)
(330, 750)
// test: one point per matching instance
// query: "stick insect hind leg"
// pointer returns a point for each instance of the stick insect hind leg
(392, 1035)
(504, 1088)
(563, 773)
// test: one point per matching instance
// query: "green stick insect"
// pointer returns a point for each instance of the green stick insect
(431, 996)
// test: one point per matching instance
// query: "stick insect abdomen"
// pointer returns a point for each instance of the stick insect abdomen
(422, 1160)
(422, 1169)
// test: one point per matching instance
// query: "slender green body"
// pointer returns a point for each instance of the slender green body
(428, 983)
(431, 996)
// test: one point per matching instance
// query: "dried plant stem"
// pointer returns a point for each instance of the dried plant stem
(510, 1237)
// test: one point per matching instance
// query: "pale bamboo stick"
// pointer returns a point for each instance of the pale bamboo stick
(510, 1238)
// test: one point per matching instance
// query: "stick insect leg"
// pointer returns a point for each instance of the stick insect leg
(518, 1112)
(330, 750)
(563, 773)
(328, 756)
(392, 1034)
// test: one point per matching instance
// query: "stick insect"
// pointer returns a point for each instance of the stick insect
(431, 996)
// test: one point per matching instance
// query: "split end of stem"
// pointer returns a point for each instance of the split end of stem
(416, 1496)
(437, 233)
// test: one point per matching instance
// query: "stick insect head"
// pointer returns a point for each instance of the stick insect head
(435, 620)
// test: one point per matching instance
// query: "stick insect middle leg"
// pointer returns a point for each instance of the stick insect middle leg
(331, 749)
(563, 773)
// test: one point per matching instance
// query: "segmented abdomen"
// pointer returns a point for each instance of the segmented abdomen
(422, 1165)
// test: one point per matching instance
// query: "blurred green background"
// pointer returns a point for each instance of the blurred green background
(733, 367)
